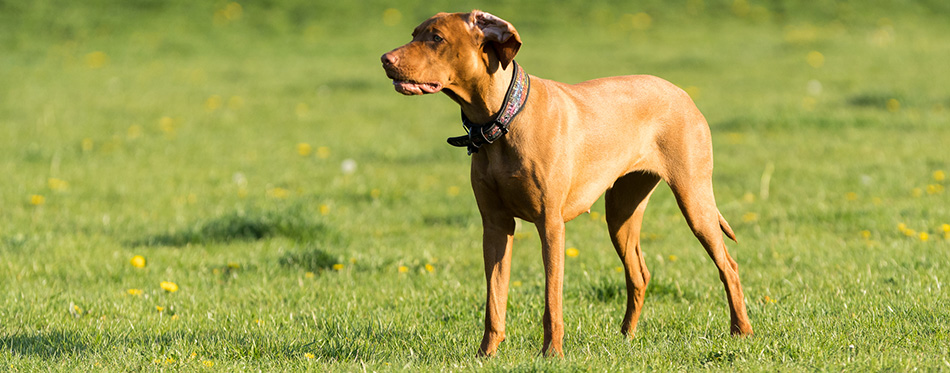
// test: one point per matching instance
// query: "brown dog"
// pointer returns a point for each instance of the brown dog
(567, 145)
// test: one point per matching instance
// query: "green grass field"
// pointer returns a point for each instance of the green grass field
(255, 155)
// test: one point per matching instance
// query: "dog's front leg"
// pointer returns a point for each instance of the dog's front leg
(551, 230)
(497, 238)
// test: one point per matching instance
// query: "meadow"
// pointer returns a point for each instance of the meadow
(236, 186)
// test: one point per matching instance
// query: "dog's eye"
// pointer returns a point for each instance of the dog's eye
(437, 38)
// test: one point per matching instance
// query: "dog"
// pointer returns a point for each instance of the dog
(544, 152)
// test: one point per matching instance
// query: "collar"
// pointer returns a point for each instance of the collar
(481, 134)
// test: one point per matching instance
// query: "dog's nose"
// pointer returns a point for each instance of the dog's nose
(389, 59)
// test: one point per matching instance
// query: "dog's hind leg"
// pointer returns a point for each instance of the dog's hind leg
(626, 202)
(695, 198)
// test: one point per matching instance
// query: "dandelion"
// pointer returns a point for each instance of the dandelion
(160, 309)
(213, 103)
(924, 236)
(308, 275)
(768, 300)
(324, 210)
(934, 189)
(672, 258)
(403, 269)
(572, 252)
(338, 267)
(259, 322)
(693, 91)
(866, 234)
(516, 284)
(235, 102)
(453, 191)
(86, 145)
(309, 356)
(169, 286)
(375, 193)
(323, 152)
(945, 228)
(208, 363)
(135, 292)
(37, 200)
(75, 310)
(304, 149)
(750, 217)
(96, 60)
(618, 269)
(133, 132)
(57, 184)
(851, 196)
(278, 193)
(429, 268)
(901, 227)
(392, 17)
(893, 105)
(939, 175)
(916, 192)
(815, 59)
(167, 125)
(594, 215)
(910, 232)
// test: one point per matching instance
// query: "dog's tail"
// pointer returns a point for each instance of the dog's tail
(724, 225)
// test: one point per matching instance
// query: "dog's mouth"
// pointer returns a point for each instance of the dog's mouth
(414, 88)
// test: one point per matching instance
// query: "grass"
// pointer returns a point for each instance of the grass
(173, 131)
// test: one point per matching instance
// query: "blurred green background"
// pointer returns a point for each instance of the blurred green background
(255, 155)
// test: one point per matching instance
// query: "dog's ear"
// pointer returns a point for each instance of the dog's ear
(499, 34)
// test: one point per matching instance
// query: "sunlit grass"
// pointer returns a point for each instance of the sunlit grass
(229, 186)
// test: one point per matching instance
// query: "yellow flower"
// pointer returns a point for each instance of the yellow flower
(851, 196)
(278, 192)
(939, 175)
(169, 286)
(338, 267)
(453, 191)
(815, 59)
(138, 261)
(893, 105)
(309, 356)
(391, 17)
(924, 236)
(672, 258)
(945, 228)
(87, 145)
(866, 234)
(916, 192)
(213, 103)
(429, 268)
(934, 189)
(37, 200)
(159, 308)
(516, 284)
(208, 363)
(323, 152)
(375, 193)
(136, 292)
(308, 275)
(750, 217)
(235, 102)
(594, 215)
(403, 269)
(57, 184)
(901, 227)
(324, 210)
(96, 60)
(910, 232)
(572, 252)
(768, 300)
(304, 149)
(618, 269)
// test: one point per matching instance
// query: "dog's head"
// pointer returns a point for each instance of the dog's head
(449, 50)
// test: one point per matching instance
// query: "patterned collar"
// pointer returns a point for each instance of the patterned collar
(481, 134)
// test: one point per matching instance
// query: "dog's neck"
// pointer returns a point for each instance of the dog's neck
(482, 99)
